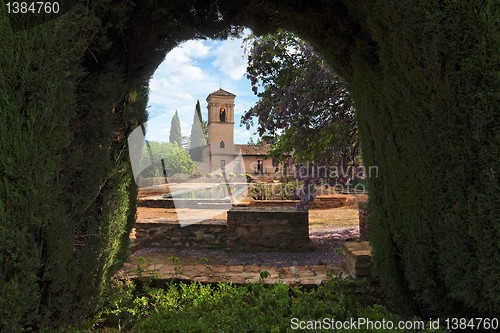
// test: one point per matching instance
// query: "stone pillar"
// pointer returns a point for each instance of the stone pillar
(363, 218)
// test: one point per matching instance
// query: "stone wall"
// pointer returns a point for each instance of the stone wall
(329, 202)
(161, 202)
(363, 218)
(268, 229)
(247, 228)
(273, 203)
(199, 235)
(319, 202)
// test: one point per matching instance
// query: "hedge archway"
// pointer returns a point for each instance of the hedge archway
(424, 80)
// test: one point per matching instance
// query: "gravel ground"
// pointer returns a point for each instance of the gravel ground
(325, 241)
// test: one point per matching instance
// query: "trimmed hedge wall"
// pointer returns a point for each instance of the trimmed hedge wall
(71, 91)
(429, 117)
(37, 100)
(67, 200)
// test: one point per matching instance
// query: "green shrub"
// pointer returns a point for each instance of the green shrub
(37, 99)
(254, 308)
(197, 175)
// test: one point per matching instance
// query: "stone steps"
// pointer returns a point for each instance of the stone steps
(357, 256)
(239, 274)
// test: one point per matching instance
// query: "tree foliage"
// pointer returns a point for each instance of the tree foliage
(301, 100)
(204, 123)
(175, 160)
(175, 130)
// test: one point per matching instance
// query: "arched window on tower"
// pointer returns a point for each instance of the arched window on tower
(222, 115)
(222, 145)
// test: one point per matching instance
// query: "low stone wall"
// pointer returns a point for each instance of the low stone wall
(161, 202)
(363, 218)
(329, 202)
(247, 228)
(200, 235)
(268, 229)
(318, 203)
(273, 203)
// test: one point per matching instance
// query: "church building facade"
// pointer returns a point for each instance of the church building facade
(221, 154)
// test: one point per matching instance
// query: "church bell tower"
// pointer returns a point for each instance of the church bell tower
(221, 127)
(221, 117)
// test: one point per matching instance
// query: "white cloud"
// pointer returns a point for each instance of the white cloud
(230, 60)
(242, 135)
(172, 82)
(190, 49)
(189, 73)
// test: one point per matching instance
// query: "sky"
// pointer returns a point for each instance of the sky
(189, 73)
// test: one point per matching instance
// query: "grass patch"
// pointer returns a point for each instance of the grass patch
(333, 218)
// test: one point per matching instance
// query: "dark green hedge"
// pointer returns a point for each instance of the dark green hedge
(37, 100)
(67, 198)
(71, 91)
(429, 119)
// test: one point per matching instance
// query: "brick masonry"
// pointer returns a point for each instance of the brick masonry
(319, 203)
(268, 229)
(363, 218)
(357, 256)
(273, 203)
(329, 202)
(200, 235)
(247, 228)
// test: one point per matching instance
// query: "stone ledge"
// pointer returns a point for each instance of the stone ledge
(325, 202)
(357, 257)
(161, 202)
(273, 203)
(247, 229)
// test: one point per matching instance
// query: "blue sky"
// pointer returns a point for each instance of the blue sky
(189, 73)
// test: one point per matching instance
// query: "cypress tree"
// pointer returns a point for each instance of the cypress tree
(175, 130)
(197, 137)
(204, 125)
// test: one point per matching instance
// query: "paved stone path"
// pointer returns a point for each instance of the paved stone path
(240, 274)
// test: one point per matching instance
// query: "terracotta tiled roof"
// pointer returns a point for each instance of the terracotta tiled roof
(221, 92)
(253, 149)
